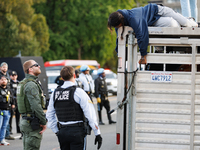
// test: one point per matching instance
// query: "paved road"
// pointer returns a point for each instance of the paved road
(50, 142)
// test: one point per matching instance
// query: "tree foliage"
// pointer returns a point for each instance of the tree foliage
(60, 29)
(78, 28)
(21, 29)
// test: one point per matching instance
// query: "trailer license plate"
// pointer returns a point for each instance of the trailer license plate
(161, 76)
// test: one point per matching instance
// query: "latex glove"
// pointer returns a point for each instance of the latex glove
(143, 60)
(99, 140)
(98, 100)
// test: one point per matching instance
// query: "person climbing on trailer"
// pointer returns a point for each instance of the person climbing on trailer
(140, 18)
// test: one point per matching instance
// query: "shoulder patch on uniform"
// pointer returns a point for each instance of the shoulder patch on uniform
(90, 101)
(34, 91)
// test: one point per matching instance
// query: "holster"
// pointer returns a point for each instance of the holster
(87, 127)
(58, 125)
(35, 123)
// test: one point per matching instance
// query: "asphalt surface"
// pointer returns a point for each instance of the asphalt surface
(50, 141)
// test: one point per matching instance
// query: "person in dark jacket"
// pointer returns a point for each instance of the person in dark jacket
(140, 18)
(14, 82)
(101, 94)
(5, 104)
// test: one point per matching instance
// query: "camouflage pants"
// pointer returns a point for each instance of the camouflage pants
(31, 139)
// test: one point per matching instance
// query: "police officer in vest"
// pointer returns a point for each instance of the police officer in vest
(5, 104)
(101, 94)
(87, 81)
(13, 84)
(71, 104)
(30, 105)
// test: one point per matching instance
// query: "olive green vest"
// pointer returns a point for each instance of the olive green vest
(22, 101)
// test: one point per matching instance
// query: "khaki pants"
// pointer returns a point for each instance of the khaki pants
(31, 139)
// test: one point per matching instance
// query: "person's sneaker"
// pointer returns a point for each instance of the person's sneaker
(101, 123)
(192, 22)
(9, 138)
(3, 142)
(112, 122)
(21, 137)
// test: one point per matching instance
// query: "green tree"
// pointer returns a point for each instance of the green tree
(21, 29)
(78, 29)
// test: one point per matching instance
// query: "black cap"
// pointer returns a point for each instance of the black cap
(13, 73)
(77, 72)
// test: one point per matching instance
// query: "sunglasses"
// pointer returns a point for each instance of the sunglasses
(35, 65)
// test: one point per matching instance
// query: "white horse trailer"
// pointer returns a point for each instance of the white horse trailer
(162, 108)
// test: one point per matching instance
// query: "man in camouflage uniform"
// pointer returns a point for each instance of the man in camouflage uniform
(30, 103)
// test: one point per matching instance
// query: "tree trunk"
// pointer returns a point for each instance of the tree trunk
(79, 53)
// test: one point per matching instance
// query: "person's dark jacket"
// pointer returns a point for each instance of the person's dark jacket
(13, 86)
(6, 105)
(139, 19)
(100, 87)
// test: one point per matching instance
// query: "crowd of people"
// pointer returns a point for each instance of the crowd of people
(25, 98)
(97, 88)
(71, 114)
(8, 103)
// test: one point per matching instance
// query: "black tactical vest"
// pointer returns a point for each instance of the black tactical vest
(4, 98)
(102, 88)
(66, 107)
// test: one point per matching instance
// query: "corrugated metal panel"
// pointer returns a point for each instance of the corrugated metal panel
(163, 112)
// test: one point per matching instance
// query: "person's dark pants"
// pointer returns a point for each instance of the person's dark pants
(106, 104)
(9, 126)
(71, 138)
(17, 116)
(10, 121)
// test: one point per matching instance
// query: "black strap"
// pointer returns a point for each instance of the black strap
(90, 89)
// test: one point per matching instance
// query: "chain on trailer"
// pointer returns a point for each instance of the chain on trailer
(125, 100)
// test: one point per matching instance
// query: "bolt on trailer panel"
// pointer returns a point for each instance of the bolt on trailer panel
(163, 109)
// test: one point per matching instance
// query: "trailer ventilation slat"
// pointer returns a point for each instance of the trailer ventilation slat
(163, 111)
(164, 141)
(179, 132)
(154, 121)
(180, 102)
(164, 91)
(174, 82)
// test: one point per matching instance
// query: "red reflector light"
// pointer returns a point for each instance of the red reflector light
(118, 139)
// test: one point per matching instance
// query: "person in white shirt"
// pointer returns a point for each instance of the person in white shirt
(68, 106)
(87, 81)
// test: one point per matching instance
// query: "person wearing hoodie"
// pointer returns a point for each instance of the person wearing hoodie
(142, 17)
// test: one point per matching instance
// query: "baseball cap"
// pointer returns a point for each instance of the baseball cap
(13, 73)
(4, 63)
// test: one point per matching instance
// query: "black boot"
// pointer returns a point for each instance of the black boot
(110, 120)
(100, 119)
